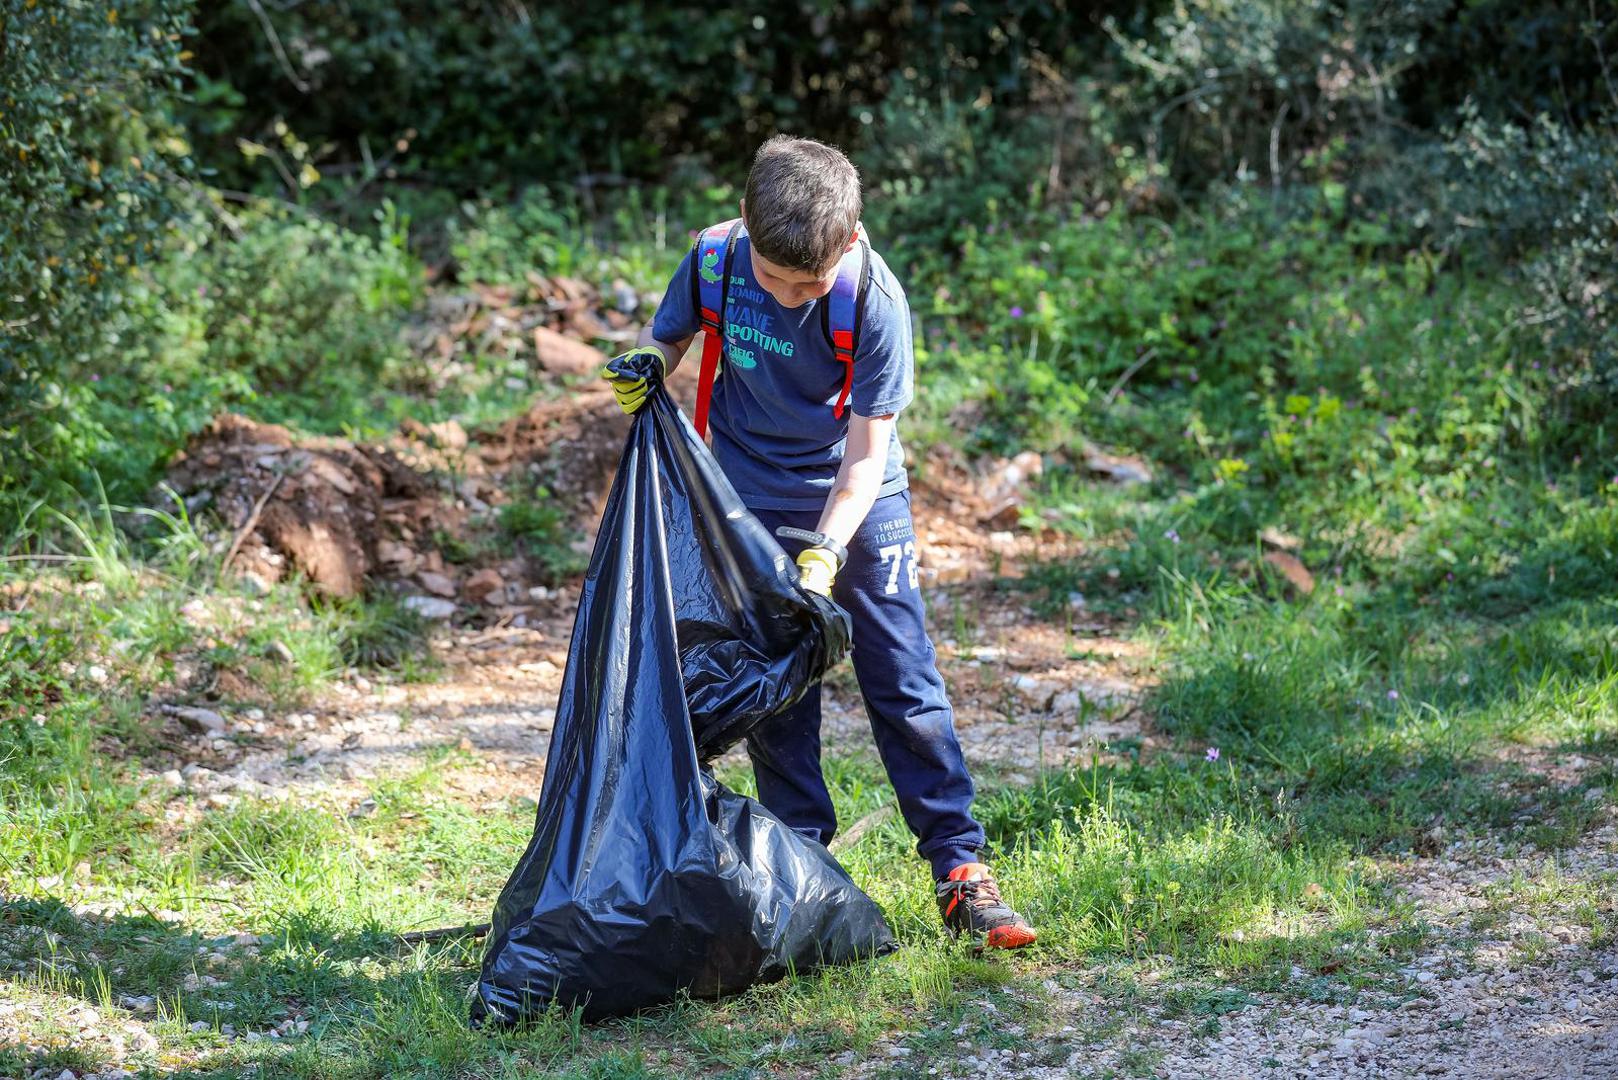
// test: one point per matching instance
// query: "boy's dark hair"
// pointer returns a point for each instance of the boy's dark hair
(803, 202)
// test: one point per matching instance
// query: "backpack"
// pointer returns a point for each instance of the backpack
(840, 315)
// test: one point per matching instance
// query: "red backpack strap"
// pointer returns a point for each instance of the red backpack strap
(845, 308)
(710, 282)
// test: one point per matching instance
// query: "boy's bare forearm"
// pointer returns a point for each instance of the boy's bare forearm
(859, 478)
(852, 495)
(672, 350)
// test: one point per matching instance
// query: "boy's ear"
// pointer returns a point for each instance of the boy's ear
(743, 205)
(853, 238)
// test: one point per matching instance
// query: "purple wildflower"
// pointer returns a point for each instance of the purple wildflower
(1171, 536)
(1016, 313)
(1393, 695)
(1213, 753)
(94, 377)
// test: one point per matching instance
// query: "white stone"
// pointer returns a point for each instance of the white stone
(430, 607)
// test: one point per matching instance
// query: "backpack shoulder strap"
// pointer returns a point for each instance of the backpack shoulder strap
(844, 310)
(710, 285)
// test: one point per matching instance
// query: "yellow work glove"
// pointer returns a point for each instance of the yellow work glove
(631, 393)
(817, 567)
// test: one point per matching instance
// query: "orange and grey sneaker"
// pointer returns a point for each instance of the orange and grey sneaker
(969, 899)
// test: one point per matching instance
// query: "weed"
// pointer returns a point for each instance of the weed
(539, 528)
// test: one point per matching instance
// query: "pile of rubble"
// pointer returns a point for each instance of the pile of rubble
(552, 319)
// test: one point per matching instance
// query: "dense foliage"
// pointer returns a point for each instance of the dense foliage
(88, 160)
(470, 92)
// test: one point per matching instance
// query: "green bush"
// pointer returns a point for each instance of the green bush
(1539, 196)
(87, 161)
(1099, 310)
(538, 526)
(468, 93)
(273, 308)
(297, 305)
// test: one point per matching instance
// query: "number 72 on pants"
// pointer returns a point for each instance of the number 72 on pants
(894, 558)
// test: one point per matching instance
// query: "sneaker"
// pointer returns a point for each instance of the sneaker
(969, 900)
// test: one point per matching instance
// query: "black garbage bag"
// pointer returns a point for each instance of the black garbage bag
(645, 876)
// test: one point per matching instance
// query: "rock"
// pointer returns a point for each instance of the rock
(485, 586)
(204, 721)
(1006, 489)
(1289, 566)
(395, 555)
(254, 583)
(562, 355)
(172, 778)
(448, 435)
(430, 607)
(436, 583)
(1067, 701)
(1275, 538)
(1121, 469)
(280, 653)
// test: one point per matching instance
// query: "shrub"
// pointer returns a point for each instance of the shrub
(539, 528)
(276, 308)
(1541, 195)
(297, 305)
(86, 161)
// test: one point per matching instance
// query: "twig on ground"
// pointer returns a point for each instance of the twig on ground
(252, 520)
(1129, 373)
(858, 830)
(472, 930)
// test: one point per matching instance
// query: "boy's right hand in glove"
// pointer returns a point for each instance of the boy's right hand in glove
(631, 393)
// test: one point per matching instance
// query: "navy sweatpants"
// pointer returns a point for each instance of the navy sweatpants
(897, 670)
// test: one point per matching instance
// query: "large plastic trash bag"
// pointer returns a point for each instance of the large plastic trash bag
(645, 876)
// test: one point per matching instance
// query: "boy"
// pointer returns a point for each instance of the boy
(800, 459)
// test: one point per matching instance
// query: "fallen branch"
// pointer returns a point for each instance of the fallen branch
(1129, 373)
(858, 830)
(251, 522)
(472, 930)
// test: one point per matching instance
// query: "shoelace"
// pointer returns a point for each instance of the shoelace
(979, 894)
(986, 893)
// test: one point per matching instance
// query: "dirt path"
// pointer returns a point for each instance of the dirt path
(1027, 694)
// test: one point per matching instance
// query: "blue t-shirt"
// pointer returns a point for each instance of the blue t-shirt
(771, 417)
